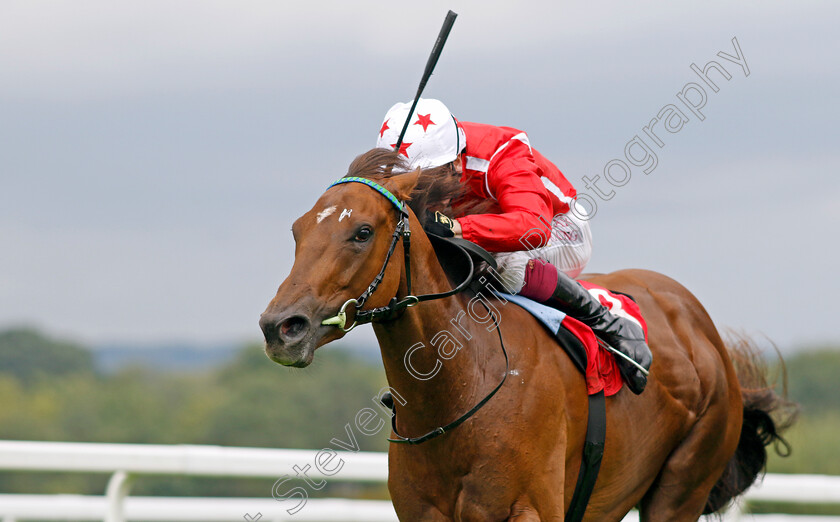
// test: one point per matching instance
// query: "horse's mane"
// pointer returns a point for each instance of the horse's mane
(438, 189)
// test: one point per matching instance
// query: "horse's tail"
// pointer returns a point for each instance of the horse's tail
(766, 415)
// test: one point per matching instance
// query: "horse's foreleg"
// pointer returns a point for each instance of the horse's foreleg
(424, 513)
(525, 512)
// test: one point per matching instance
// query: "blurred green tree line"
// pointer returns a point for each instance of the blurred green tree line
(51, 390)
(814, 383)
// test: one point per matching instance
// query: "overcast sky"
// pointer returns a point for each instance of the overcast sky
(153, 154)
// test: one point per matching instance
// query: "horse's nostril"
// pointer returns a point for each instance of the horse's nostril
(288, 330)
(293, 327)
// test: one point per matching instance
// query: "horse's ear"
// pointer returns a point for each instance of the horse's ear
(402, 185)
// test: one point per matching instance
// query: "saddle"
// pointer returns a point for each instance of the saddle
(577, 340)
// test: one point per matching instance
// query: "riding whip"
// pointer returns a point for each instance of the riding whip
(430, 66)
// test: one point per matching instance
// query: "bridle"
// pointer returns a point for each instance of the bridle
(395, 307)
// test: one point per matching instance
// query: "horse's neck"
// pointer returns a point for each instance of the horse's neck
(436, 389)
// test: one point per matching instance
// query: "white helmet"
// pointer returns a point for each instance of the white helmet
(432, 139)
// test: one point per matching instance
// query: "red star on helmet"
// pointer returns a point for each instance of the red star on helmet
(403, 148)
(384, 127)
(425, 120)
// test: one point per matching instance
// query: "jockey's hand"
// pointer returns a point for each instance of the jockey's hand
(442, 225)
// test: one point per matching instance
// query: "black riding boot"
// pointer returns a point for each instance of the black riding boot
(622, 334)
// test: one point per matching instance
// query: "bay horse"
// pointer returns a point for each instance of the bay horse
(693, 440)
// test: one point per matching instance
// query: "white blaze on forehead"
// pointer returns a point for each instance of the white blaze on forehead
(345, 213)
(324, 213)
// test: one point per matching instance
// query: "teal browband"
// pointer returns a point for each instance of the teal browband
(375, 186)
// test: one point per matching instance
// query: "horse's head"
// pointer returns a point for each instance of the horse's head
(340, 247)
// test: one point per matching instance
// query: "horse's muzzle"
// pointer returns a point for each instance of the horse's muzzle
(288, 338)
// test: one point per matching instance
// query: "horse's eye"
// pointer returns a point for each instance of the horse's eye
(363, 234)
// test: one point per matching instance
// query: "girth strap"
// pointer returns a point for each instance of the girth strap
(593, 451)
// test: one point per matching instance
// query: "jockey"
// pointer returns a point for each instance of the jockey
(540, 244)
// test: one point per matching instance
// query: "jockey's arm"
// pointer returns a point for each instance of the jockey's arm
(526, 210)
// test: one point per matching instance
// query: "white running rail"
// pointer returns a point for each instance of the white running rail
(124, 461)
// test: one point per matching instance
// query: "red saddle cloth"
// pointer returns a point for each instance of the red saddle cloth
(601, 369)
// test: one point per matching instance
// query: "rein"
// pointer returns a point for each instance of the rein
(396, 306)
(457, 422)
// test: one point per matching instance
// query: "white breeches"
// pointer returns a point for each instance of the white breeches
(569, 249)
